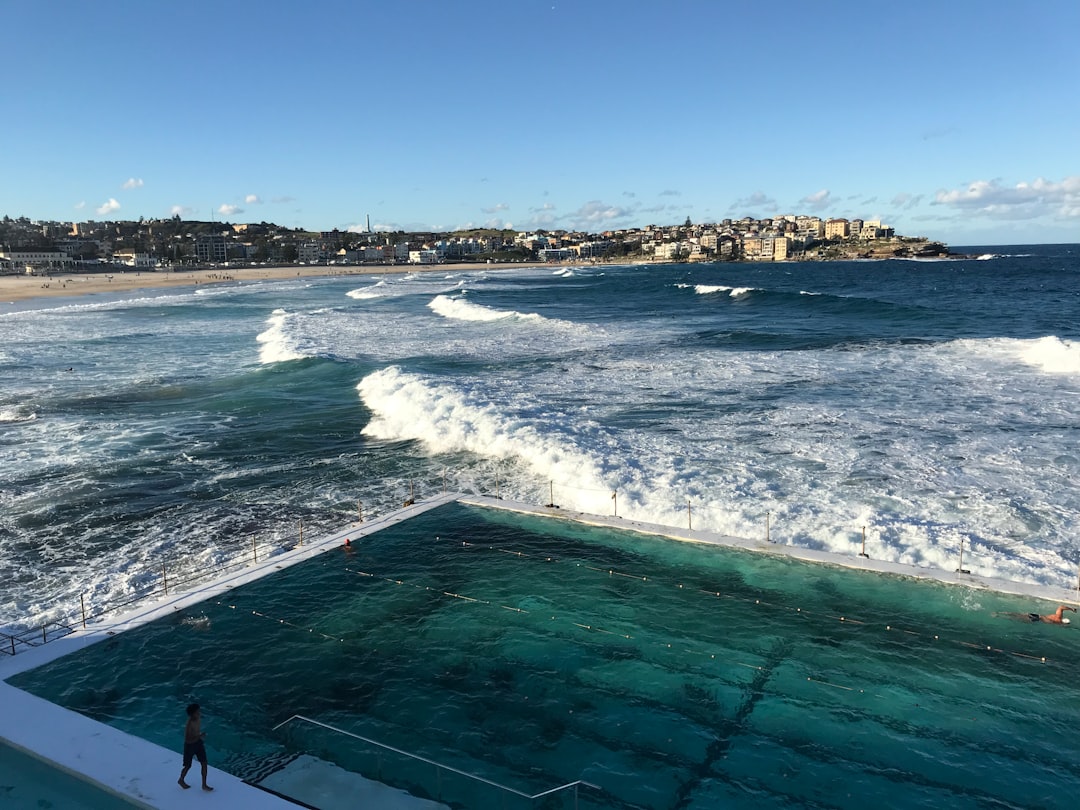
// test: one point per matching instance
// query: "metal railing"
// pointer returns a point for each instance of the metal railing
(441, 768)
(13, 643)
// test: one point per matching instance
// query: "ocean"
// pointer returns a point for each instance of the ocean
(923, 405)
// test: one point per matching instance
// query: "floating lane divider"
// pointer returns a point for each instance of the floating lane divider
(723, 658)
(848, 620)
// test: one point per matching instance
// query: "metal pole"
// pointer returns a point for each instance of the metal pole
(615, 498)
(254, 551)
(863, 552)
(360, 510)
(768, 529)
(301, 531)
(165, 580)
(961, 569)
(497, 487)
(444, 481)
(82, 604)
(689, 519)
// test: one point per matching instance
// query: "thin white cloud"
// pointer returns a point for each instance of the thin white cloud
(757, 201)
(181, 211)
(496, 208)
(597, 216)
(108, 207)
(133, 182)
(1023, 201)
(252, 199)
(80, 205)
(818, 201)
(670, 193)
(907, 201)
(227, 210)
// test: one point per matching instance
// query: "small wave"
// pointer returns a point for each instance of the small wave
(16, 415)
(1050, 354)
(377, 290)
(461, 310)
(734, 292)
(276, 346)
(201, 622)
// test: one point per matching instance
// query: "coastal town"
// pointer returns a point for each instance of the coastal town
(36, 247)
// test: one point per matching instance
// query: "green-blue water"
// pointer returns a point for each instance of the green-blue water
(535, 652)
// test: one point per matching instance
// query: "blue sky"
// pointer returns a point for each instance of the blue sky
(950, 119)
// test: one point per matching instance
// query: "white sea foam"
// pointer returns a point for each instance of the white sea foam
(891, 454)
(1051, 354)
(460, 309)
(398, 286)
(376, 290)
(276, 345)
(17, 414)
(712, 289)
(448, 418)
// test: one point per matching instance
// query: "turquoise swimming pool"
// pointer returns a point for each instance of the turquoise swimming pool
(26, 781)
(534, 652)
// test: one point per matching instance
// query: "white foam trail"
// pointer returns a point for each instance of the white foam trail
(462, 310)
(276, 346)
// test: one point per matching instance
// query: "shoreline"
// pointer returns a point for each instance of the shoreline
(21, 288)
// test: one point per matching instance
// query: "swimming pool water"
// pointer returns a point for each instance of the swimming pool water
(28, 782)
(535, 652)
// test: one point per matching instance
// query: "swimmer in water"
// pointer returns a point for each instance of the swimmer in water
(1057, 617)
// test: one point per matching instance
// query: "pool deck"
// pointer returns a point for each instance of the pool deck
(145, 774)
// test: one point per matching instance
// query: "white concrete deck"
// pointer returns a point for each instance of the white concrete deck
(145, 774)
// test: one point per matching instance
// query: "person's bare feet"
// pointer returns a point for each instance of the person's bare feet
(183, 784)
(206, 787)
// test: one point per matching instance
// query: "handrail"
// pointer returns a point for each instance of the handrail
(28, 637)
(9, 640)
(437, 764)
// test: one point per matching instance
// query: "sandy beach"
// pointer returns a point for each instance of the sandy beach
(64, 285)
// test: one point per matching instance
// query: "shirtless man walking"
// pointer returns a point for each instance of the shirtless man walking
(193, 746)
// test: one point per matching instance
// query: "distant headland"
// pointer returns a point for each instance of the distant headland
(35, 247)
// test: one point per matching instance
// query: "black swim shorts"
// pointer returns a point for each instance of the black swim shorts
(194, 750)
